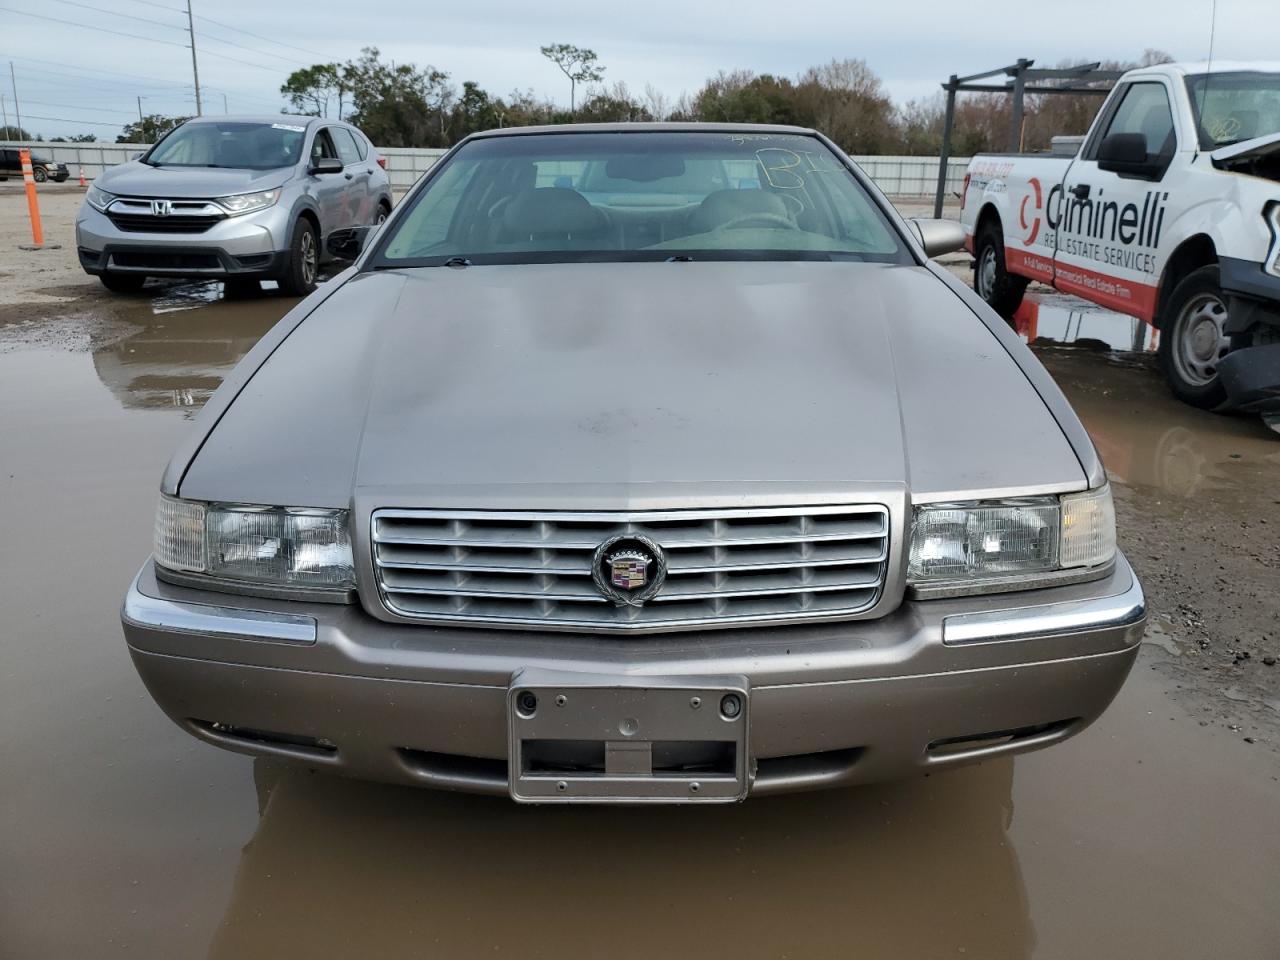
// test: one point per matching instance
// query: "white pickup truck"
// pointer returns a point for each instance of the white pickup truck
(1169, 212)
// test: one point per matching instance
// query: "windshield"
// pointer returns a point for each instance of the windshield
(242, 146)
(573, 197)
(1231, 107)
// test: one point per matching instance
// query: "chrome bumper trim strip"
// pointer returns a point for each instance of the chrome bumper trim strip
(1047, 619)
(152, 613)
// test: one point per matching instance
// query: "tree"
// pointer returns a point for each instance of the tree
(149, 129)
(83, 138)
(15, 133)
(576, 63)
(615, 105)
(400, 105)
(312, 89)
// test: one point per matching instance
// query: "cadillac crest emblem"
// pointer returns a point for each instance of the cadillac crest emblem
(629, 569)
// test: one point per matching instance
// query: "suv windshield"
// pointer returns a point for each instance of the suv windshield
(242, 146)
(1231, 107)
(567, 197)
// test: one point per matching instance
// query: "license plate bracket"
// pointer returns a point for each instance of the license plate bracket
(584, 738)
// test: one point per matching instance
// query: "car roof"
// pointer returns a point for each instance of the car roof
(260, 118)
(1217, 66)
(680, 127)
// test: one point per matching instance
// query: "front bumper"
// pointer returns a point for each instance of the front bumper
(934, 684)
(254, 245)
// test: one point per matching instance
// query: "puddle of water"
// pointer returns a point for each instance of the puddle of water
(122, 834)
(177, 359)
(1147, 438)
(1045, 318)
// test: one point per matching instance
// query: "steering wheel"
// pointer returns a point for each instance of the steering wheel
(760, 220)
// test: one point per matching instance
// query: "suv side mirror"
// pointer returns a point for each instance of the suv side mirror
(326, 165)
(1126, 154)
(348, 243)
(938, 236)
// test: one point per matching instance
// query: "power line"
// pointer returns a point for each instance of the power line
(73, 106)
(113, 13)
(85, 26)
(88, 123)
(262, 53)
(254, 35)
(247, 63)
(74, 66)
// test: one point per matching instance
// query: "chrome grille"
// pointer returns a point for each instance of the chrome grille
(723, 566)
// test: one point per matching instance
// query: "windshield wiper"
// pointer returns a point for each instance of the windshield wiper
(679, 258)
(456, 262)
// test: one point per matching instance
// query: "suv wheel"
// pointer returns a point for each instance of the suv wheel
(1000, 289)
(298, 277)
(1192, 338)
(123, 282)
(39, 174)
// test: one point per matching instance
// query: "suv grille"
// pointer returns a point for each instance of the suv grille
(145, 223)
(724, 567)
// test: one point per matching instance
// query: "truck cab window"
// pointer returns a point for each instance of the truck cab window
(1145, 109)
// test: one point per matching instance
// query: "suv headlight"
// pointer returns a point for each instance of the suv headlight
(247, 548)
(98, 198)
(992, 545)
(248, 202)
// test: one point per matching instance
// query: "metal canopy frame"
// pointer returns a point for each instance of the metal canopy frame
(1022, 79)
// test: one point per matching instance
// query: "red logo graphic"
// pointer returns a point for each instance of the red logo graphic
(1032, 228)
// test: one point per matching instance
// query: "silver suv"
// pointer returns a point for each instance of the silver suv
(239, 198)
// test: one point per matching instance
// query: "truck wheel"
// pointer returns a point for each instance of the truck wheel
(122, 282)
(298, 278)
(997, 286)
(1192, 339)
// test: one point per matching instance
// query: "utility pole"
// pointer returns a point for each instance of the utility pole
(140, 120)
(195, 70)
(17, 107)
(224, 104)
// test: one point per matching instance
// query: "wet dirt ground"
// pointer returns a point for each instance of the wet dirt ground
(1153, 834)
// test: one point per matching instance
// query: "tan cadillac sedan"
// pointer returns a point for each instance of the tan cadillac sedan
(639, 463)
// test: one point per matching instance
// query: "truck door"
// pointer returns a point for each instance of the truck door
(1109, 224)
(357, 173)
(330, 190)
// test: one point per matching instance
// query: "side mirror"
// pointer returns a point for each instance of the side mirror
(938, 236)
(347, 244)
(1126, 154)
(326, 165)
(137, 156)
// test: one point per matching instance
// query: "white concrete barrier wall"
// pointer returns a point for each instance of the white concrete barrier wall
(896, 176)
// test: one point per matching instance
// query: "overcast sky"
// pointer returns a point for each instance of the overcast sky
(73, 77)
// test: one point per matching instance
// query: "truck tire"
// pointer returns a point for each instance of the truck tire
(122, 282)
(298, 276)
(1192, 340)
(997, 286)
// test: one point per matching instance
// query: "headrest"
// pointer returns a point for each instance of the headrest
(556, 210)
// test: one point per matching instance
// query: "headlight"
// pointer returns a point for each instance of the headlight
(1272, 264)
(288, 548)
(991, 545)
(248, 202)
(98, 198)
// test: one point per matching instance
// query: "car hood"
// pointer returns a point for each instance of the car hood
(626, 386)
(136, 179)
(1255, 147)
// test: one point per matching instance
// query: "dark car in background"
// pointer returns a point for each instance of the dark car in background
(42, 168)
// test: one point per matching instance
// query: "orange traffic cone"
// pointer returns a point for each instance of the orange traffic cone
(82, 180)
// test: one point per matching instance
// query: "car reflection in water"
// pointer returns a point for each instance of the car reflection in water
(1105, 362)
(180, 354)
(924, 868)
